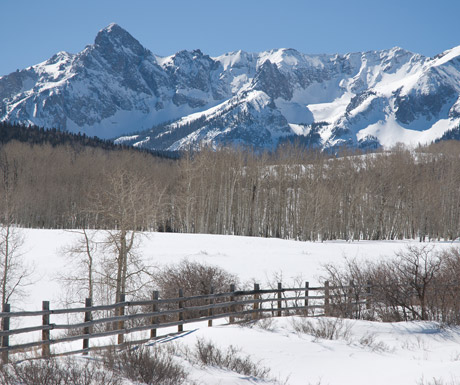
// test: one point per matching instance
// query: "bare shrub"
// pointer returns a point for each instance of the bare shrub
(146, 365)
(369, 341)
(57, 372)
(194, 278)
(412, 274)
(416, 284)
(443, 302)
(324, 328)
(265, 323)
(350, 284)
(419, 283)
(438, 381)
(205, 353)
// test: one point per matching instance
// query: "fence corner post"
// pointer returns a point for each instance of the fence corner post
(5, 327)
(180, 327)
(255, 314)
(87, 329)
(155, 297)
(307, 289)
(369, 295)
(232, 307)
(279, 295)
(350, 299)
(46, 331)
(121, 323)
(211, 302)
(326, 299)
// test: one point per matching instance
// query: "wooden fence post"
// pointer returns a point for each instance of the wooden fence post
(369, 295)
(350, 299)
(326, 299)
(280, 304)
(307, 287)
(46, 333)
(121, 323)
(5, 327)
(211, 302)
(87, 329)
(232, 307)
(180, 328)
(155, 296)
(255, 306)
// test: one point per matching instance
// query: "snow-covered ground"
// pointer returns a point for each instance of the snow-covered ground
(372, 353)
(250, 258)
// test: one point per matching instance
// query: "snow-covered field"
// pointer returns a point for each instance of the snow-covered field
(400, 353)
(371, 353)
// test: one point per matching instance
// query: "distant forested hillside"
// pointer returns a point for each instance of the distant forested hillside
(38, 135)
(291, 193)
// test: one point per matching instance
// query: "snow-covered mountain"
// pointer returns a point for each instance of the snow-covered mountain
(117, 87)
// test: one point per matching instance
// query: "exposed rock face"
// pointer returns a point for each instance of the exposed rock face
(116, 86)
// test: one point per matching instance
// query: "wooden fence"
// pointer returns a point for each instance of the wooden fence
(126, 317)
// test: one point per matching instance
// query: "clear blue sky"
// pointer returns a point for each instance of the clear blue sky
(32, 31)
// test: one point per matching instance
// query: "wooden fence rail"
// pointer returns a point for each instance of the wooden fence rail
(127, 317)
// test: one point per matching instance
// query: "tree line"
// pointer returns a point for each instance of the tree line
(38, 135)
(291, 193)
(305, 195)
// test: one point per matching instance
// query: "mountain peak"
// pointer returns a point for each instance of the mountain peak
(113, 29)
(114, 36)
(112, 26)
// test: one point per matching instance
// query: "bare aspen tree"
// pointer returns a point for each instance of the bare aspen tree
(124, 206)
(14, 272)
(80, 280)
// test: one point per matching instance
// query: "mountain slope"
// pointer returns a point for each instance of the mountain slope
(116, 86)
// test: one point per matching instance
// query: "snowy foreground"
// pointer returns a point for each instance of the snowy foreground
(368, 353)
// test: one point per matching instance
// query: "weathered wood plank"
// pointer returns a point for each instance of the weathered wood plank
(121, 322)
(210, 310)
(232, 306)
(87, 329)
(5, 328)
(45, 332)
(307, 288)
(280, 304)
(180, 326)
(153, 331)
(326, 298)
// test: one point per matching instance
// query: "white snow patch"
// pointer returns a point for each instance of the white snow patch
(390, 132)
(298, 129)
(123, 139)
(447, 56)
(330, 112)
